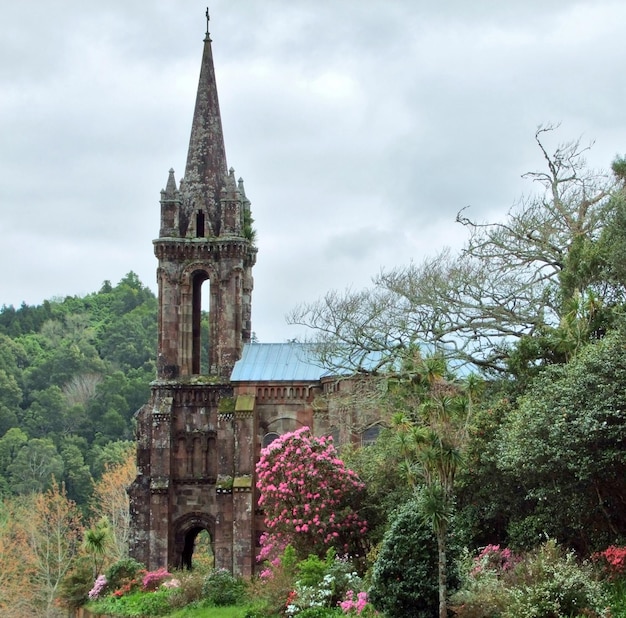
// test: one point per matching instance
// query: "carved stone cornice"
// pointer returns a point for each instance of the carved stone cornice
(195, 480)
(205, 249)
(159, 485)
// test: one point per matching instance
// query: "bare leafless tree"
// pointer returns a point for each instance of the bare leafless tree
(472, 306)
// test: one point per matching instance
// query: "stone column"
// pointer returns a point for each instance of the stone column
(243, 490)
(160, 485)
(223, 541)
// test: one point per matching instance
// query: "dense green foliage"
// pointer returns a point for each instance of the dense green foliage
(565, 445)
(380, 467)
(220, 588)
(547, 582)
(73, 372)
(554, 464)
(536, 301)
(137, 604)
(405, 575)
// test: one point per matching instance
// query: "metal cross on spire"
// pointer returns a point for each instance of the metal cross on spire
(207, 20)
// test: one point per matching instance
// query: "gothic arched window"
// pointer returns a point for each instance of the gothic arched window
(370, 435)
(200, 225)
(268, 438)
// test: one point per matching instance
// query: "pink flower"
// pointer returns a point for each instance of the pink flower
(351, 605)
(302, 484)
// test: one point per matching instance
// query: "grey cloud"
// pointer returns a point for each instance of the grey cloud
(360, 128)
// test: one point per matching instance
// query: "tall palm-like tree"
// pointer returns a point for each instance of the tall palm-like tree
(96, 542)
(433, 432)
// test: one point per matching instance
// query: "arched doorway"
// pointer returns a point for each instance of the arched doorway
(197, 550)
(193, 544)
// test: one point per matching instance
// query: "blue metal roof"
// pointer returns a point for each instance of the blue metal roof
(277, 362)
(294, 362)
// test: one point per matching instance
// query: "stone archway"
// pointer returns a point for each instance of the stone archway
(186, 530)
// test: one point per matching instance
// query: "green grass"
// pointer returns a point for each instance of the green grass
(617, 591)
(210, 612)
(192, 611)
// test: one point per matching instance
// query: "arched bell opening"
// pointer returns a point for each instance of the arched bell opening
(200, 231)
(201, 308)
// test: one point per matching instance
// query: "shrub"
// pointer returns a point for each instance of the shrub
(404, 577)
(613, 561)
(355, 603)
(99, 587)
(492, 558)
(135, 604)
(552, 583)
(190, 589)
(312, 570)
(310, 499)
(123, 572)
(305, 598)
(290, 587)
(483, 593)
(222, 588)
(274, 584)
(545, 583)
(322, 584)
(153, 579)
(76, 585)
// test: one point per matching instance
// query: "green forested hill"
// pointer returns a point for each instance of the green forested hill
(73, 372)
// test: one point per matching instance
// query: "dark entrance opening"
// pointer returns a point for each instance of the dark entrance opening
(197, 550)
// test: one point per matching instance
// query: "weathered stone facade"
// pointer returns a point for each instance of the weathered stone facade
(195, 452)
(211, 411)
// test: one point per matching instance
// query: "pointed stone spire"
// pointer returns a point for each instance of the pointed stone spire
(240, 187)
(206, 169)
(170, 187)
(245, 200)
(170, 207)
(232, 185)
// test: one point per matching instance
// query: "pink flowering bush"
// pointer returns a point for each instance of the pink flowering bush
(492, 558)
(309, 497)
(356, 604)
(98, 587)
(153, 579)
(613, 560)
(546, 582)
(171, 583)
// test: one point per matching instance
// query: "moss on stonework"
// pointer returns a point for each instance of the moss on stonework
(199, 380)
(224, 482)
(204, 379)
(226, 405)
(242, 482)
(245, 403)
(249, 233)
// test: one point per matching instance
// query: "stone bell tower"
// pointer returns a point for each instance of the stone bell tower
(193, 442)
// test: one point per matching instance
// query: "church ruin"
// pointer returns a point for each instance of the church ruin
(217, 398)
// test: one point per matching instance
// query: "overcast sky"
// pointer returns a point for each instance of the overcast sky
(360, 127)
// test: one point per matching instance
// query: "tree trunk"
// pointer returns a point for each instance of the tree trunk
(443, 587)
